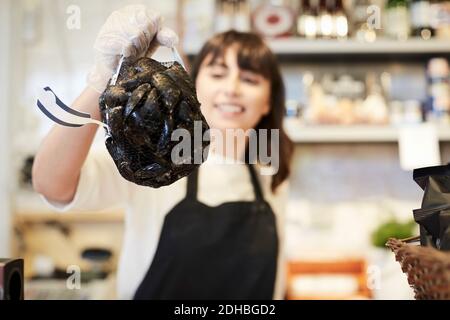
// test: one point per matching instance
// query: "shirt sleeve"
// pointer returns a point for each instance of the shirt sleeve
(100, 186)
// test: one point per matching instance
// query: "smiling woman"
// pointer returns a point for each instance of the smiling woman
(239, 85)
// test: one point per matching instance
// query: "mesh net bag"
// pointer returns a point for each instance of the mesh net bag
(146, 105)
(427, 269)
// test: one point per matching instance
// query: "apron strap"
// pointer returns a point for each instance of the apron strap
(255, 182)
(192, 184)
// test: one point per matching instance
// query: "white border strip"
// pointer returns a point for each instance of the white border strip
(5, 107)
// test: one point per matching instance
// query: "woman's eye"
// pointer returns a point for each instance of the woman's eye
(217, 75)
(250, 79)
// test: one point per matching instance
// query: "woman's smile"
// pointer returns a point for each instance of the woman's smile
(230, 110)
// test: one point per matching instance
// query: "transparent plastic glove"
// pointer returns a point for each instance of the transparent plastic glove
(133, 31)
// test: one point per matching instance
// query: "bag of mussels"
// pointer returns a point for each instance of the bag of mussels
(143, 109)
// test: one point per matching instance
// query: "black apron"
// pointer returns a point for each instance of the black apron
(224, 252)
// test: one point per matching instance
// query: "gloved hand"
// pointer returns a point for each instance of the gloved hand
(133, 31)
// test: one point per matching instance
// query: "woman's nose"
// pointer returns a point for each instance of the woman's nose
(232, 86)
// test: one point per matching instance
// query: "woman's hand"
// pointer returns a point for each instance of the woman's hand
(132, 31)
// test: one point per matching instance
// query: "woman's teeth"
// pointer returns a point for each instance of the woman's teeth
(230, 108)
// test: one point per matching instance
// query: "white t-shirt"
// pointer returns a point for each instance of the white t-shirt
(100, 187)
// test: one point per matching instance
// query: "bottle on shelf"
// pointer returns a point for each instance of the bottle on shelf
(224, 14)
(306, 22)
(440, 18)
(324, 19)
(241, 16)
(438, 106)
(340, 21)
(301, 17)
(397, 23)
(420, 15)
(232, 14)
(373, 109)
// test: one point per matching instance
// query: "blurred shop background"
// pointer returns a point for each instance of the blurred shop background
(368, 99)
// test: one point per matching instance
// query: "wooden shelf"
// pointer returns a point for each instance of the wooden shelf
(299, 46)
(301, 133)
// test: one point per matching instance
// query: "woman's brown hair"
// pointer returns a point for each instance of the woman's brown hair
(255, 55)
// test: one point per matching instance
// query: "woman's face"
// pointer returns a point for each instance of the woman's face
(231, 98)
